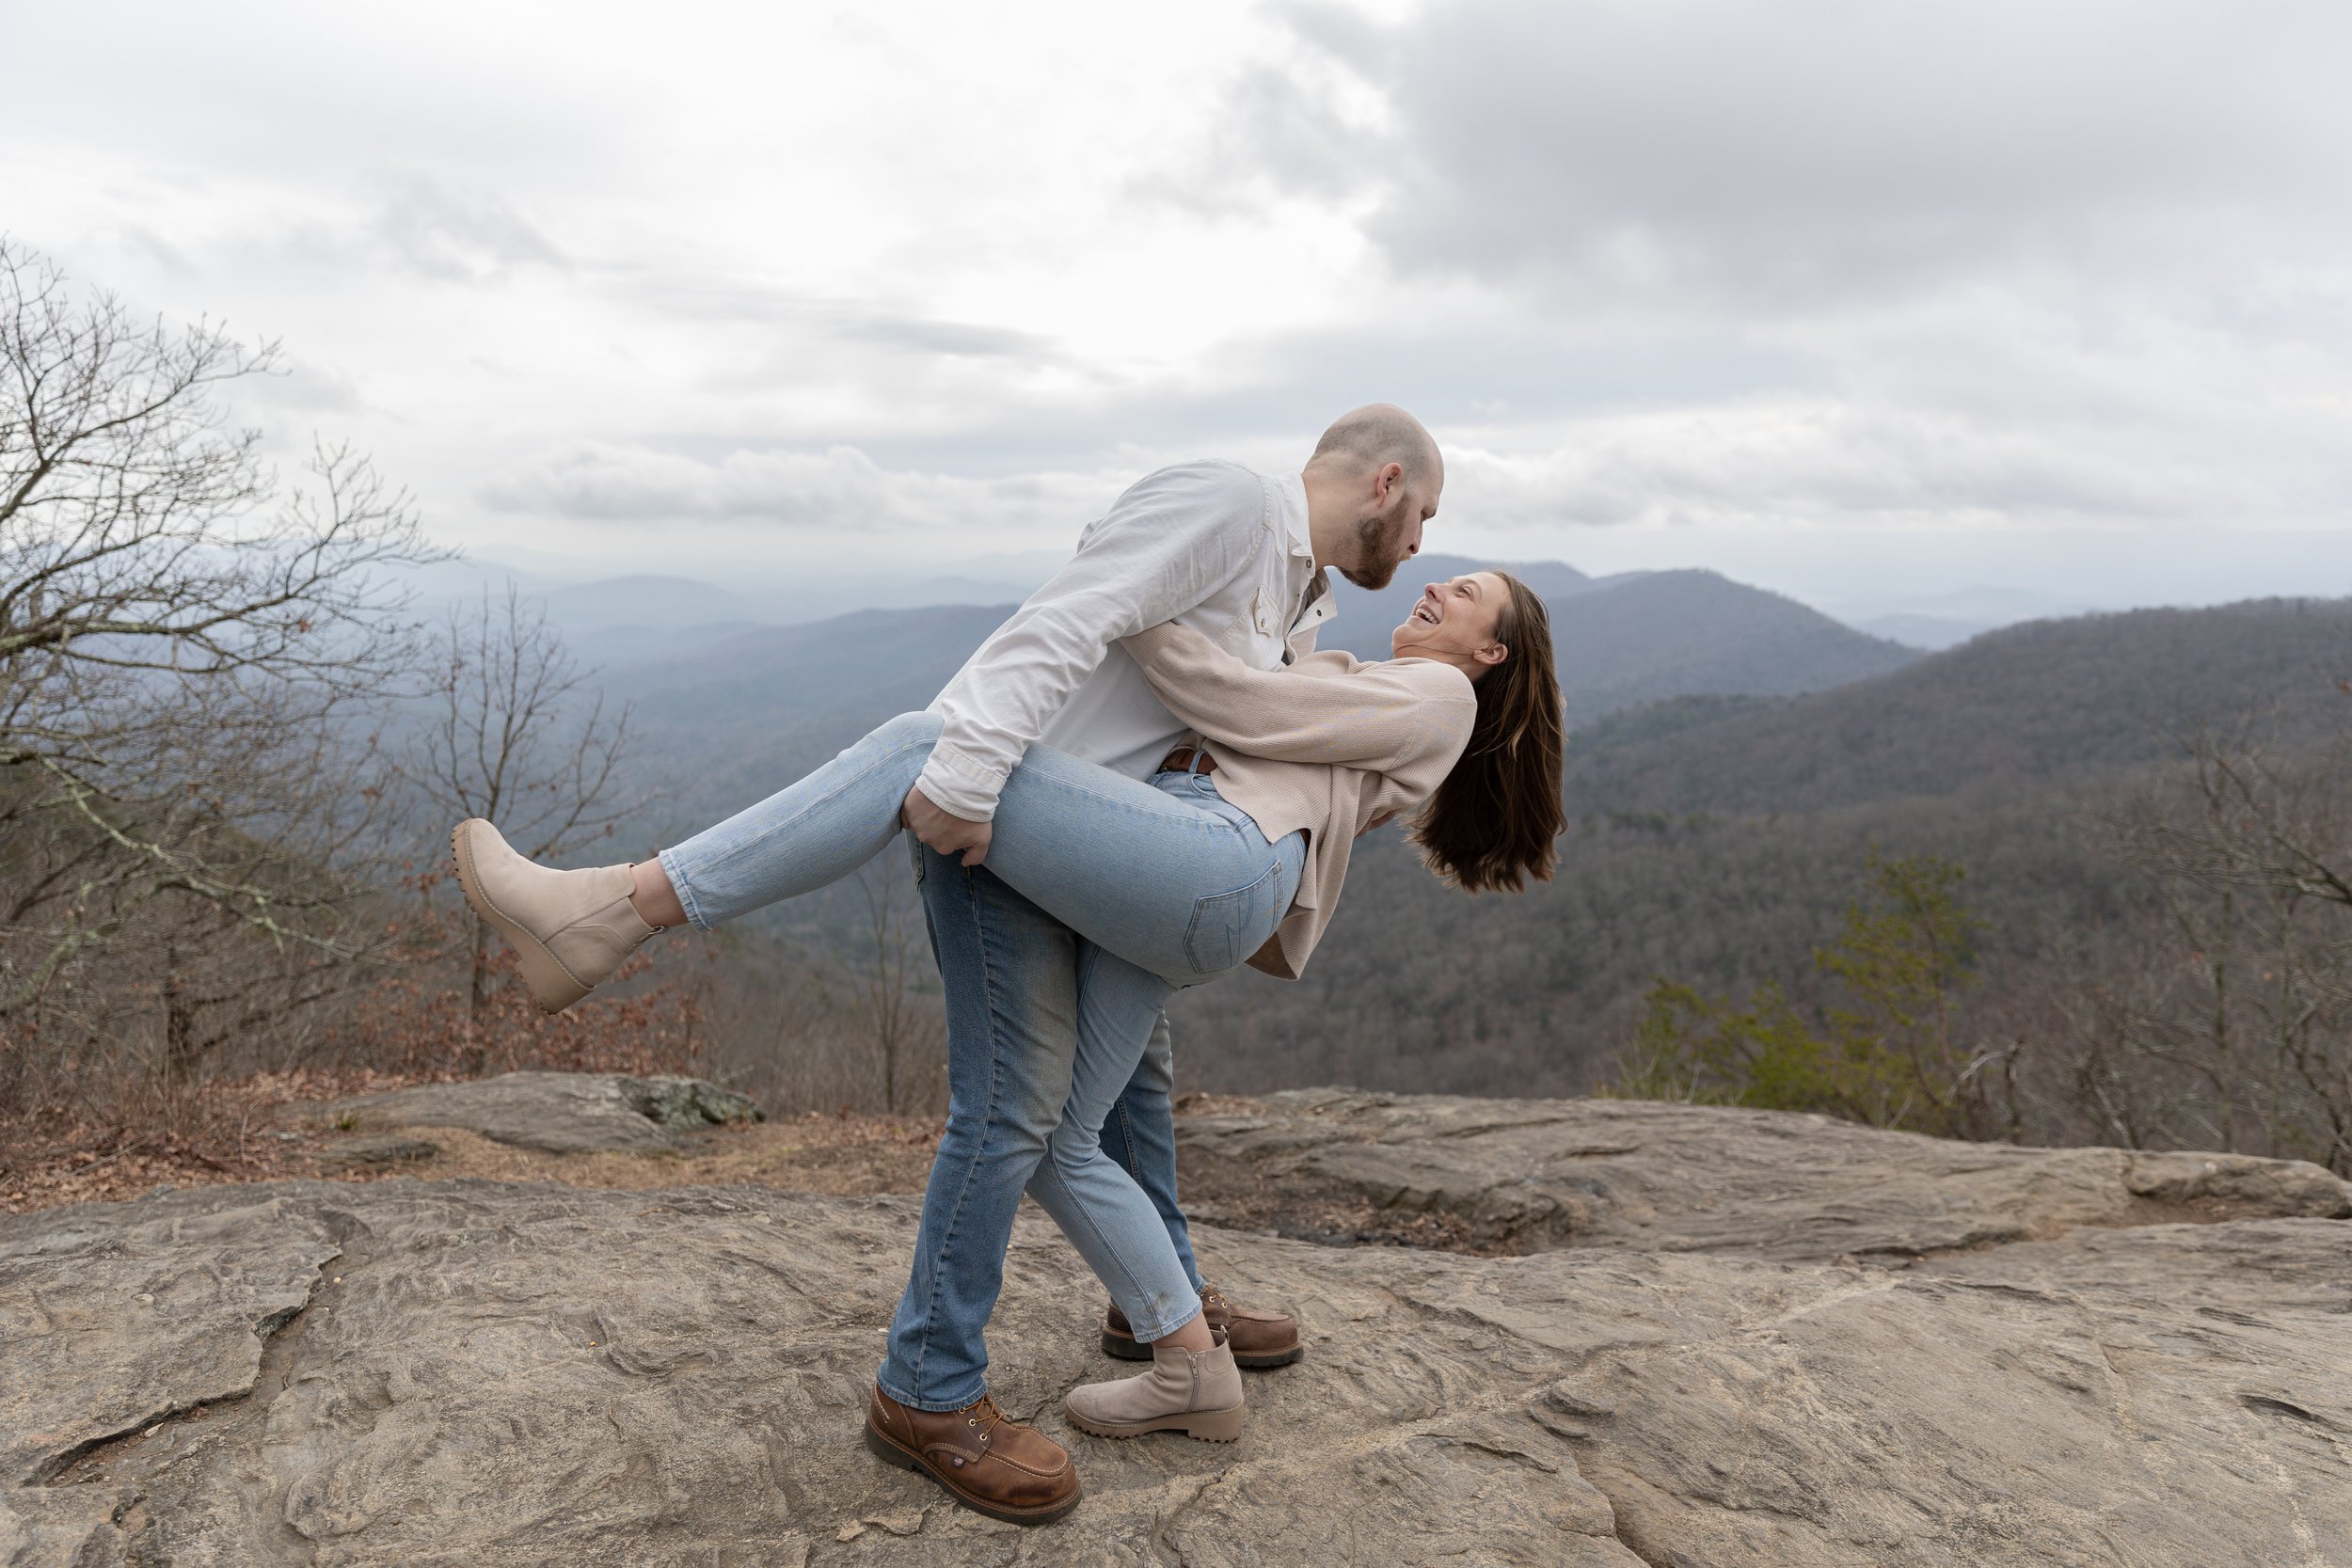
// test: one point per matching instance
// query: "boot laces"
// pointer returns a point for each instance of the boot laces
(982, 1413)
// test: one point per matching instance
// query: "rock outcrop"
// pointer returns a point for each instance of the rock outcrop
(1539, 1174)
(560, 1113)
(467, 1373)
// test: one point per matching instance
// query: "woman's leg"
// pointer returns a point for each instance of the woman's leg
(1108, 1217)
(809, 834)
(1069, 836)
(1194, 1385)
(1167, 874)
(1139, 1136)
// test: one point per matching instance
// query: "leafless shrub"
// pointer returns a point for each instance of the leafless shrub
(189, 646)
(883, 978)
(860, 1028)
(516, 732)
(2233, 1030)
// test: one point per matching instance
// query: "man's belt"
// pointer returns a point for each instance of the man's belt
(1183, 759)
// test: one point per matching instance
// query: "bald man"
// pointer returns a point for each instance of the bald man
(1241, 557)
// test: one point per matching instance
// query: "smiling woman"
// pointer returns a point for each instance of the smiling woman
(1492, 824)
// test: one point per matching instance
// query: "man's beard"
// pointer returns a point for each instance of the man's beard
(1379, 546)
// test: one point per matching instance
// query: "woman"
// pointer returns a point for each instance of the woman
(1244, 841)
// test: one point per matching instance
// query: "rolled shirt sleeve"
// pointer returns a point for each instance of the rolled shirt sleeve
(1173, 539)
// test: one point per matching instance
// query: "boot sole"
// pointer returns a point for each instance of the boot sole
(1208, 1426)
(888, 1450)
(1124, 1349)
(552, 987)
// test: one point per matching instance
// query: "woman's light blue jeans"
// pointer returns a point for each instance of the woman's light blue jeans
(1164, 882)
(1165, 873)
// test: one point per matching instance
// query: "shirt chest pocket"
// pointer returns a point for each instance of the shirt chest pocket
(1255, 634)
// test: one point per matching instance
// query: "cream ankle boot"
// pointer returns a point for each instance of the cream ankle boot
(1195, 1392)
(570, 929)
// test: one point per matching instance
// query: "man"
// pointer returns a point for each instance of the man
(1240, 556)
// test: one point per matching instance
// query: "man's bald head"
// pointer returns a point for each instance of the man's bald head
(1380, 432)
(1374, 480)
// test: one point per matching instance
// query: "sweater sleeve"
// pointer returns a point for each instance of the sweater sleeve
(1381, 717)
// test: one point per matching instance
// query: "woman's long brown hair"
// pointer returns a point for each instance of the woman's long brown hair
(1491, 824)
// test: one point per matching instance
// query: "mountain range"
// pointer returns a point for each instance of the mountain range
(1640, 637)
(734, 710)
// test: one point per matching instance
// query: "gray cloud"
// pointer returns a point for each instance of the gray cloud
(840, 489)
(1760, 269)
(1820, 149)
(739, 302)
(956, 339)
(461, 236)
(427, 229)
(305, 388)
(1737, 264)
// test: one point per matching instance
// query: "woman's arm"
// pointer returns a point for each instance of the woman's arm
(1383, 717)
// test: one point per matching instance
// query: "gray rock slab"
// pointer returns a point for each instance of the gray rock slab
(1542, 1174)
(560, 1113)
(377, 1150)
(114, 1317)
(486, 1374)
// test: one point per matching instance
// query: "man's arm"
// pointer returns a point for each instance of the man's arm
(1172, 539)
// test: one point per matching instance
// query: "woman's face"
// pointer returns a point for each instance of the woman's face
(1455, 621)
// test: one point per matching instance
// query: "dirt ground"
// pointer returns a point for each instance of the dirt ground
(847, 1155)
(844, 1154)
(859, 1155)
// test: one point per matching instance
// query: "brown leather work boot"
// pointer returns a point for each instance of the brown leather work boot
(1259, 1340)
(988, 1463)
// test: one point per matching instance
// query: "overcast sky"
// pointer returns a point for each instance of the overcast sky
(1855, 300)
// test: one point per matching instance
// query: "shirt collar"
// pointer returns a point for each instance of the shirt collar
(1294, 492)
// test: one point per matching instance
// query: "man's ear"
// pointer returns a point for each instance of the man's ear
(1385, 480)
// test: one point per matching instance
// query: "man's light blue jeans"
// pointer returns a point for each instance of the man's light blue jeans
(1101, 895)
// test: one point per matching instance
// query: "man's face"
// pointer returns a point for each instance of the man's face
(1386, 540)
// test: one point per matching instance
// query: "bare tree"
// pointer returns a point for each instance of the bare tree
(517, 733)
(2249, 850)
(883, 978)
(185, 644)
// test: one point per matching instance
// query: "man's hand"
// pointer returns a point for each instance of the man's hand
(942, 830)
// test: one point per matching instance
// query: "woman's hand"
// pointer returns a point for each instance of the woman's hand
(944, 831)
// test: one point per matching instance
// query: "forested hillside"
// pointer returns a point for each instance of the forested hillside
(731, 722)
(2031, 701)
(1719, 841)
(1417, 987)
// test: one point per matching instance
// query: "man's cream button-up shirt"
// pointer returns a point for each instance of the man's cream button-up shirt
(1210, 546)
